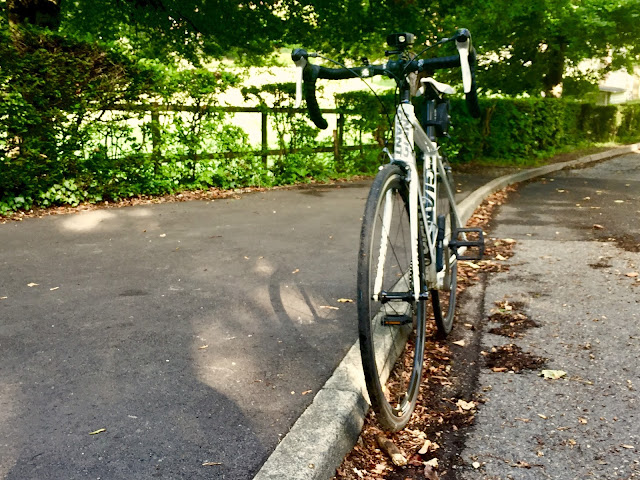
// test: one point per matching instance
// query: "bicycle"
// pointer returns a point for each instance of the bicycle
(411, 238)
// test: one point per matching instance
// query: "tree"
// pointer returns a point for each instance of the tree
(533, 46)
(527, 46)
(39, 13)
(173, 29)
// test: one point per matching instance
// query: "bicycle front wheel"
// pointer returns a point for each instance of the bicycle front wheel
(444, 299)
(391, 323)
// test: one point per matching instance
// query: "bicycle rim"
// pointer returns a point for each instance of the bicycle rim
(444, 300)
(392, 355)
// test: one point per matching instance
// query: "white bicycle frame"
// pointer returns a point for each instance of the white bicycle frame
(408, 132)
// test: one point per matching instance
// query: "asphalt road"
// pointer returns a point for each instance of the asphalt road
(574, 272)
(196, 333)
(192, 332)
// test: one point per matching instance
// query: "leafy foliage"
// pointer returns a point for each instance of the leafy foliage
(518, 130)
(533, 45)
(510, 130)
(51, 88)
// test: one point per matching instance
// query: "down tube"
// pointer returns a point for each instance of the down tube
(404, 152)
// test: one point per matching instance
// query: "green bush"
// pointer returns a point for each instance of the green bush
(629, 129)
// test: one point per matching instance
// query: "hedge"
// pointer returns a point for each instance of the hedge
(511, 130)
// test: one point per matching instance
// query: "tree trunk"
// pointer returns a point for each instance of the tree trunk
(555, 58)
(39, 13)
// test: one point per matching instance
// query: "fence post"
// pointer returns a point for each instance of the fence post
(337, 138)
(155, 129)
(265, 139)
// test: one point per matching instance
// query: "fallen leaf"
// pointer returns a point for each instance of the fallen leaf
(472, 265)
(432, 463)
(466, 405)
(544, 417)
(425, 448)
(632, 274)
(307, 392)
(345, 300)
(203, 347)
(211, 464)
(3, 298)
(552, 374)
(32, 284)
(499, 369)
(460, 343)
(500, 257)
(96, 432)
(521, 464)
(54, 288)
(162, 235)
(329, 307)
(391, 449)
(475, 465)
(630, 447)
(296, 270)
(597, 226)
(582, 420)
(619, 201)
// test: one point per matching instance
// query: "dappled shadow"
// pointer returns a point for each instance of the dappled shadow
(176, 328)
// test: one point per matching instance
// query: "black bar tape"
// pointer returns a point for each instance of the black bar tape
(472, 97)
(439, 63)
(310, 75)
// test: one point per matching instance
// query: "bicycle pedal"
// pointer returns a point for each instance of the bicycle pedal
(468, 244)
(397, 320)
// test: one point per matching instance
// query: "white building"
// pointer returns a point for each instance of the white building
(619, 87)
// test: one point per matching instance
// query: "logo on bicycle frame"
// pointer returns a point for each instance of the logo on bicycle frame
(403, 149)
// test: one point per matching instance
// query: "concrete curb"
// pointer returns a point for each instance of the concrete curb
(328, 429)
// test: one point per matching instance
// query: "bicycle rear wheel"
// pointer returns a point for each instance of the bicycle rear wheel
(444, 299)
(392, 332)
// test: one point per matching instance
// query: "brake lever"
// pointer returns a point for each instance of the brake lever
(463, 50)
(301, 62)
(299, 57)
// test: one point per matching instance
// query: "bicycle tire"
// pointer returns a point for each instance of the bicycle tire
(392, 356)
(444, 300)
